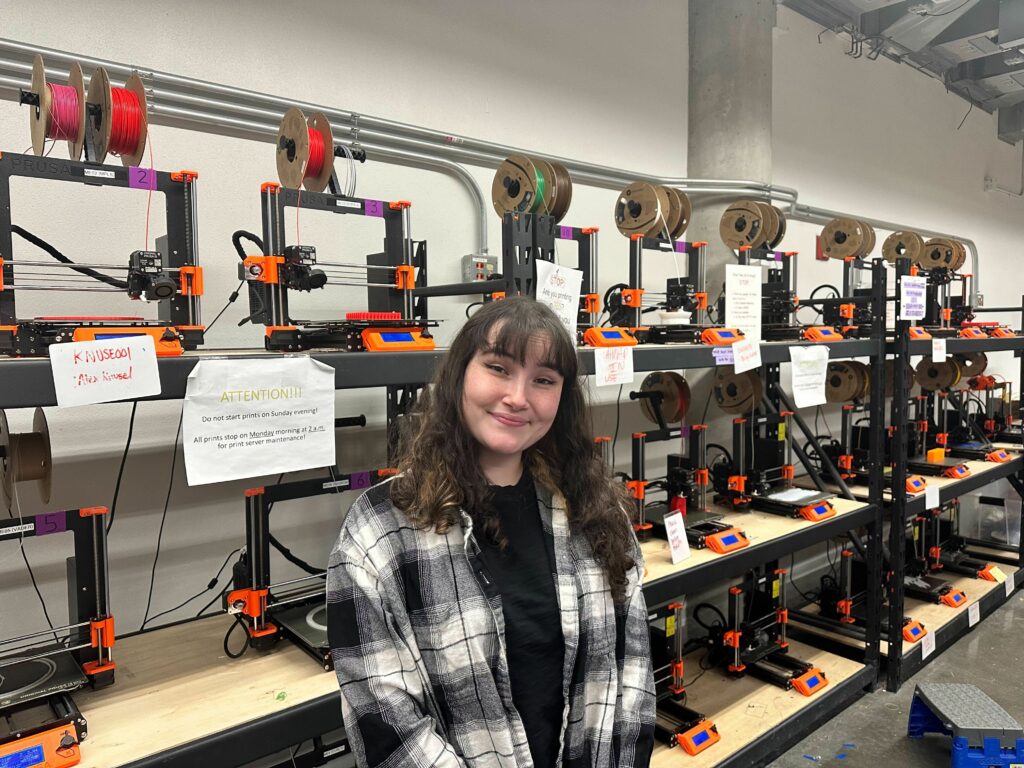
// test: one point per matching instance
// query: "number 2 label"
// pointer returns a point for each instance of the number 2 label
(141, 178)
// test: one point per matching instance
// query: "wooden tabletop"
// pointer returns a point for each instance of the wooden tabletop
(175, 685)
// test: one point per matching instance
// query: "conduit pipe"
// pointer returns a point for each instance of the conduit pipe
(193, 104)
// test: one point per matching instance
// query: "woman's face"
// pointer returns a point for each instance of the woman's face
(509, 406)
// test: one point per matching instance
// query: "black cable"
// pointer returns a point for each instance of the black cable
(163, 519)
(236, 240)
(294, 559)
(709, 607)
(809, 597)
(52, 251)
(227, 650)
(120, 469)
(946, 13)
(471, 305)
(211, 585)
(722, 448)
(707, 403)
(231, 300)
(35, 586)
(214, 599)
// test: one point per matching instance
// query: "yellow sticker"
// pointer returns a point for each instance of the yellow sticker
(782, 431)
(999, 576)
(917, 533)
(670, 626)
(776, 586)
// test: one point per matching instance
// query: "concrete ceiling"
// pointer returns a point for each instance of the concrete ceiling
(975, 47)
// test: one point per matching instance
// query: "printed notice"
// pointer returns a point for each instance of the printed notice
(743, 299)
(747, 353)
(86, 372)
(810, 365)
(613, 365)
(1009, 584)
(973, 614)
(931, 497)
(245, 418)
(912, 297)
(927, 645)
(675, 529)
(559, 288)
(938, 350)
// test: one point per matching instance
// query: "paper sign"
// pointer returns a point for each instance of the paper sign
(723, 355)
(1009, 586)
(245, 418)
(743, 299)
(86, 372)
(747, 354)
(559, 288)
(675, 529)
(973, 614)
(927, 645)
(810, 365)
(938, 350)
(613, 365)
(931, 497)
(912, 297)
(890, 315)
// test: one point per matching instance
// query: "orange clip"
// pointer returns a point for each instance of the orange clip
(846, 462)
(92, 511)
(191, 279)
(250, 602)
(738, 483)
(387, 471)
(632, 297)
(250, 492)
(101, 632)
(781, 616)
(947, 314)
(637, 488)
(731, 639)
(702, 300)
(398, 205)
(701, 476)
(846, 310)
(788, 472)
(590, 230)
(591, 303)
(270, 186)
(264, 269)
(637, 236)
(405, 277)
(184, 175)
(845, 610)
(941, 439)
(497, 295)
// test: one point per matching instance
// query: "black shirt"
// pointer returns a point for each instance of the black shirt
(524, 575)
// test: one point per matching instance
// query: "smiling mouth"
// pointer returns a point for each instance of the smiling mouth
(509, 421)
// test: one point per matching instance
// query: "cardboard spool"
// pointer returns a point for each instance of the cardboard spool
(736, 392)
(846, 381)
(932, 375)
(675, 396)
(25, 457)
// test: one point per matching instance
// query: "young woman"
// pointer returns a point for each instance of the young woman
(484, 606)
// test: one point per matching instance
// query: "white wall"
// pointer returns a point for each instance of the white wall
(872, 138)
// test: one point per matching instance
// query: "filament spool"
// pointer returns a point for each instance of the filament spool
(643, 209)
(736, 392)
(932, 375)
(770, 232)
(959, 255)
(26, 456)
(903, 245)
(563, 191)
(305, 150)
(869, 240)
(972, 363)
(675, 396)
(44, 124)
(518, 186)
(781, 229)
(844, 239)
(124, 106)
(846, 381)
(680, 212)
(742, 224)
(939, 252)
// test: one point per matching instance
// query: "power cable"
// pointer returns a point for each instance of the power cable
(120, 469)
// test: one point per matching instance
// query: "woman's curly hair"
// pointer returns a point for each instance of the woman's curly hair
(439, 469)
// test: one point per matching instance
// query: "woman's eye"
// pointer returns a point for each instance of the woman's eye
(495, 367)
(547, 382)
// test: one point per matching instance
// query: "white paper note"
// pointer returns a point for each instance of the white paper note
(246, 418)
(1009, 585)
(927, 645)
(743, 299)
(559, 288)
(912, 297)
(86, 372)
(810, 365)
(973, 614)
(723, 355)
(675, 529)
(613, 365)
(747, 355)
(938, 350)
(931, 496)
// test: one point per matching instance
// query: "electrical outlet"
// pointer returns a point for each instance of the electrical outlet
(478, 268)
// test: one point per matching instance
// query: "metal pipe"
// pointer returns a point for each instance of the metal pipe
(44, 632)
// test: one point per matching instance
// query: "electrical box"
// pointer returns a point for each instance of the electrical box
(477, 268)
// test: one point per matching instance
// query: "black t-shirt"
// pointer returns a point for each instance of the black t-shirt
(524, 575)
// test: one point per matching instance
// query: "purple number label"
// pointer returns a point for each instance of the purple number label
(565, 233)
(374, 208)
(680, 246)
(141, 178)
(51, 522)
(358, 480)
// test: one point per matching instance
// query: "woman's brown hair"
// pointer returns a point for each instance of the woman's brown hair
(438, 457)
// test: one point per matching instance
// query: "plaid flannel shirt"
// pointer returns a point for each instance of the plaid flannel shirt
(417, 637)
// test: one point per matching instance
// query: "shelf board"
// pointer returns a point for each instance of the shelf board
(771, 537)
(956, 345)
(758, 721)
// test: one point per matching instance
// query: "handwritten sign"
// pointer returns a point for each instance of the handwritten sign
(743, 299)
(675, 529)
(87, 372)
(723, 355)
(810, 365)
(613, 365)
(559, 288)
(913, 291)
(245, 418)
(938, 350)
(747, 353)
